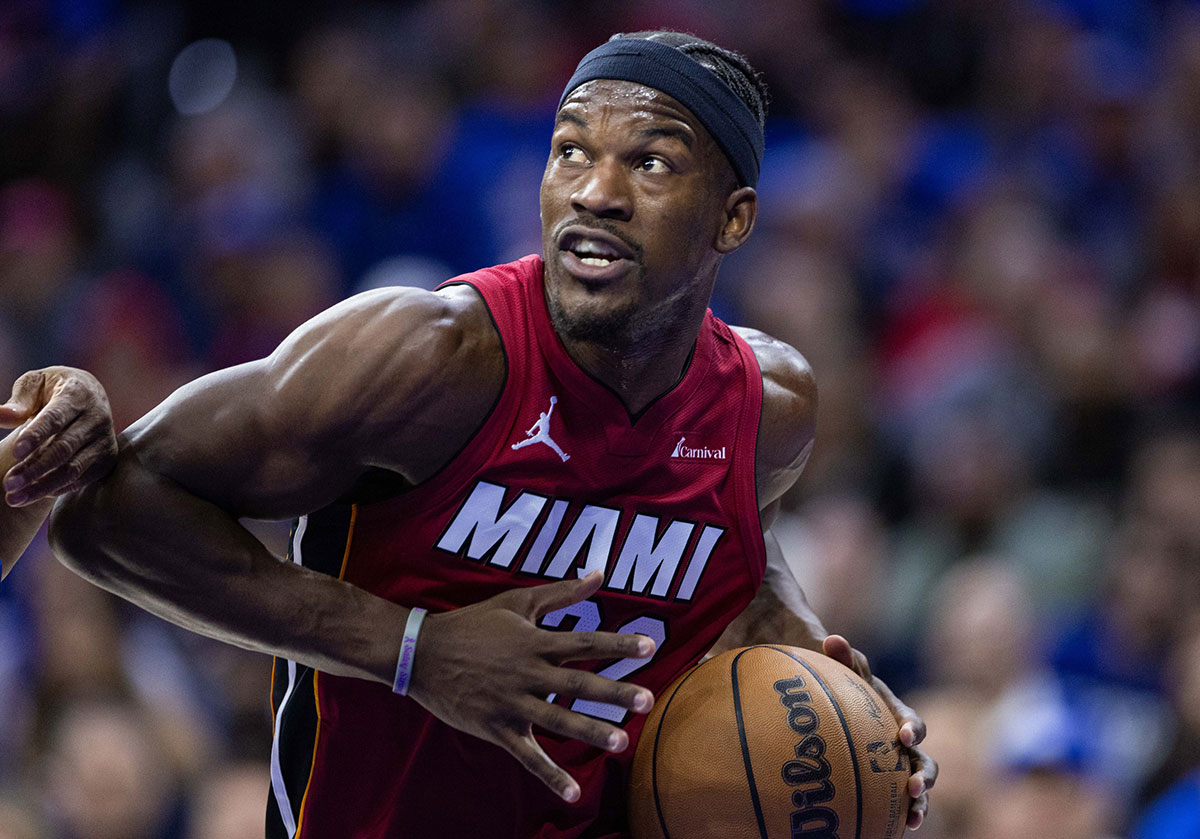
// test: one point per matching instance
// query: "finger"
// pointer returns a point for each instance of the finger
(917, 809)
(526, 750)
(558, 720)
(53, 419)
(55, 453)
(912, 727)
(24, 400)
(839, 649)
(924, 772)
(583, 684)
(596, 646)
(93, 460)
(923, 777)
(547, 598)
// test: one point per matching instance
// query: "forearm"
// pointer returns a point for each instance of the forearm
(148, 540)
(18, 525)
(780, 612)
(769, 620)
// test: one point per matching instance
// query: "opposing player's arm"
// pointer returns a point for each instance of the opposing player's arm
(63, 439)
(395, 379)
(17, 524)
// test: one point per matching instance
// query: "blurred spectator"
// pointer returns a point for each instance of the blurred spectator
(128, 333)
(228, 803)
(39, 261)
(1174, 811)
(1050, 800)
(106, 776)
(837, 548)
(19, 818)
(262, 293)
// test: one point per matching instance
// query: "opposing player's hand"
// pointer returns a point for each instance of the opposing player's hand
(67, 440)
(487, 669)
(924, 769)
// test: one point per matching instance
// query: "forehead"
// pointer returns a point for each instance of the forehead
(609, 99)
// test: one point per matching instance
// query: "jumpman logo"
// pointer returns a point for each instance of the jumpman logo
(540, 433)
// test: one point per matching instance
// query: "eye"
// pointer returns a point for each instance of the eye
(653, 165)
(571, 153)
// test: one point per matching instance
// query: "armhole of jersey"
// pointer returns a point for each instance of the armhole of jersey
(745, 465)
(479, 446)
(376, 486)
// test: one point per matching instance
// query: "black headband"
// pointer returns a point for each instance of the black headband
(719, 109)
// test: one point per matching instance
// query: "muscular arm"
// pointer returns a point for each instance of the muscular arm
(395, 379)
(277, 438)
(780, 612)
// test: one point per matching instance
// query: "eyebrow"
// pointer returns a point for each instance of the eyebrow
(567, 116)
(669, 131)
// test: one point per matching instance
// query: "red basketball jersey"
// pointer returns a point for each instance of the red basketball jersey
(558, 482)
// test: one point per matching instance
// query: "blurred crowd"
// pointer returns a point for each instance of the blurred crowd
(980, 221)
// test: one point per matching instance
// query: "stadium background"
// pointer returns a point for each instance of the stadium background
(980, 221)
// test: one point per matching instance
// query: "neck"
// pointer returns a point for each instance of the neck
(641, 373)
(648, 354)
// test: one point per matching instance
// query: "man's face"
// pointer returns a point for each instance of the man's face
(632, 203)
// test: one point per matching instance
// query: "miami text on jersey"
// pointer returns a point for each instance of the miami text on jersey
(647, 564)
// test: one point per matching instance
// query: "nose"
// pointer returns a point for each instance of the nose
(604, 191)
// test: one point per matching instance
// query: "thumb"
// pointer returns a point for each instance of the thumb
(839, 649)
(23, 402)
(12, 415)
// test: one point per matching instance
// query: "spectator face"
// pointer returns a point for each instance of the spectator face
(230, 804)
(107, 781)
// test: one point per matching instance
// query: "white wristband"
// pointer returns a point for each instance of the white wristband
(408, 648)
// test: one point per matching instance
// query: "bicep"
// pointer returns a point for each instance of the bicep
(357, 387)
(279, 436)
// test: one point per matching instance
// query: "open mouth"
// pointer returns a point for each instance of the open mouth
(593, 253)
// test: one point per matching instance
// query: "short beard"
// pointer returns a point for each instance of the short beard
(612, 329)
(641, 327)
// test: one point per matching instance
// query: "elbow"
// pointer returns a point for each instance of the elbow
(77, 534)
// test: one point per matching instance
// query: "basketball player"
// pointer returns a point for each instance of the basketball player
(572, 443)
(65, 441)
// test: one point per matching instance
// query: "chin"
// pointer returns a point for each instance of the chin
(589, 317)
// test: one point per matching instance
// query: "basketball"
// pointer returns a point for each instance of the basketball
(769, 742)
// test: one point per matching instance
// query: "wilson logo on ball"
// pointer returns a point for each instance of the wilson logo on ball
(810, 770)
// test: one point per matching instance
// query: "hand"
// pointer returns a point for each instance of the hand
(912, 728)
(67, 440)
(487, 669)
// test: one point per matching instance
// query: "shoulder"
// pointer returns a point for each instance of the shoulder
(394, 360)
(789, 412)
(390, 320)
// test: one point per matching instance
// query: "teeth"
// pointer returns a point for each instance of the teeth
(587, 249)
(598, 261)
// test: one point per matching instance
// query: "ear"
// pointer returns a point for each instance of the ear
(741, 211)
